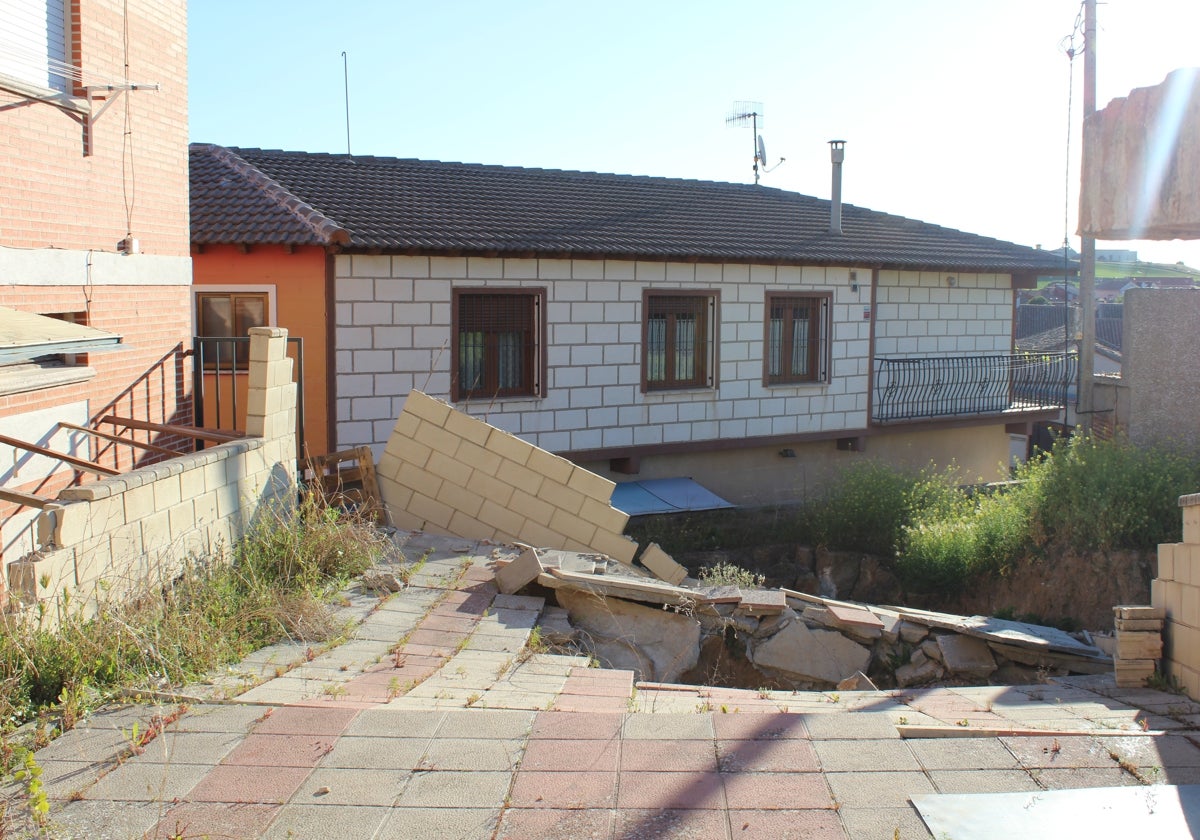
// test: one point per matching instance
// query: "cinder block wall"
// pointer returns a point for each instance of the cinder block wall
(1177, 590)
(447, 472)
(141, 526)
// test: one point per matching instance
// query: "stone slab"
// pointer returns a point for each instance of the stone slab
(811, 655)
(1001, 630)
(648, 591)
(966, 655)
(855, 616)
(763, 601)
(524, 570)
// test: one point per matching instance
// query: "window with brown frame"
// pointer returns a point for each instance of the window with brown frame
(678, 340)
(796, 328)
(497, 347)
(229, 315)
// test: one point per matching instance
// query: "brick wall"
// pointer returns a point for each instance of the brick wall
(921, 314)
(1177, 590)
(393, 332)
(136, 529)
(449, 473)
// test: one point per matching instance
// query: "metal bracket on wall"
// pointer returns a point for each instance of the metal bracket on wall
(106, 95)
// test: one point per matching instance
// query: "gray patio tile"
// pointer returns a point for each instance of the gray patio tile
(295, 821)
(877, 790)
(148, 782)
(472, 754)
(839, 756)
(87, 820)
(1082, 777)
(346, 786)
(880, 823)
(670, 725)
(60, 779)
(982, 781)
(189, 747)
(440, 824)
(235, 718)
(851, 725)
(386, 722)
(374, 753)
(87, 745)
(962, 754)
(455, 789)
(486, 723)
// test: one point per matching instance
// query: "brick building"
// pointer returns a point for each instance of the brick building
(93, 232)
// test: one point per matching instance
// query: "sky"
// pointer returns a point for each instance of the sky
(953, 111)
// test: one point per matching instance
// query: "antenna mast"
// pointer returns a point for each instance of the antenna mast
(346, 79)
(748, 112)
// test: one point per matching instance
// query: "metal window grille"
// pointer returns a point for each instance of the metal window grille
(497, 345)
(795, 349)
(678, 341)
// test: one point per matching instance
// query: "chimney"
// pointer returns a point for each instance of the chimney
(837, 153)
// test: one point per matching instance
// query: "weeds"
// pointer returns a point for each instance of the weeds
(727, 574)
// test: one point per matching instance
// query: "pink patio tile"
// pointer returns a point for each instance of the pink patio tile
(454, 623)
(597, 688)
(478, 573)
(552, 824)
(769, 756)
(226, 783)
(576, 725)
(661, 790)
(571, 755)
(439, 653)
(291, 720)
(773, 791)
(682, 756)
(465, 603)
(786, 825)
(589, 703)
(437, 638)
(536, 789)
(653, 824)
(280, 750)
(760, 727)
(195, 819)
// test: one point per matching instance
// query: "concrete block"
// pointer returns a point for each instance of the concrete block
(616, 546)
(1133, 645)
(537, 534)
(468, 428)
(156, 530)
(406, 449)
(531, 507)
(139, 502)
(518, 573)
(467, 527)
(662, 565)
(520, 477)
(1138, 611)
(427, 408)
(590, 484)
(489, 488)
(191, 483)
(604, 516)
(563, 497)
(182, 519)
(430, 511)
(452, 470)
(460, 499)
(166, 493)
(551, 466)
(415, 478)
(437, 438)
(501, 518)
(509, 447)
(1166, 561)
(478, 458)
(1137, 624)
(573, 528)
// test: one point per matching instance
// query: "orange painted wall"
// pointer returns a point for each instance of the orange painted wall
(300, 307)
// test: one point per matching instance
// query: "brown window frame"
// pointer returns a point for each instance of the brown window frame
(532, 349)
(241, 359)
(818, 322)
(705, 305)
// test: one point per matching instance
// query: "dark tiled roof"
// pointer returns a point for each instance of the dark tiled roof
(398, 205)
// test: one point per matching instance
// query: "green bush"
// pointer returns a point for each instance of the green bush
(864, 510)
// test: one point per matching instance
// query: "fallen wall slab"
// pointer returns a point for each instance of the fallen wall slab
(447, 472)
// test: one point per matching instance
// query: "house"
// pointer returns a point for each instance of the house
(95, 274)
(753, 339)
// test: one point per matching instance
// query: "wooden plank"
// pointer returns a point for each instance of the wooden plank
(171, 429)
(77, 463)
(118, 439)
(26, 499)
(907, 731)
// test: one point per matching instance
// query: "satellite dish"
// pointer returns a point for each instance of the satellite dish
(762, 150)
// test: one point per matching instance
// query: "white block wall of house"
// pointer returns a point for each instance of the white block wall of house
(393, 334)
(921, 314)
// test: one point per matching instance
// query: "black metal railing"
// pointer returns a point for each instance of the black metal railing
(964, 386)
(219, 362)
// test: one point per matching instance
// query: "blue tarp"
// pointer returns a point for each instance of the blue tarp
(664, 495)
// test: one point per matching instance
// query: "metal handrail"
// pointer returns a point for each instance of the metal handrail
(912, 388)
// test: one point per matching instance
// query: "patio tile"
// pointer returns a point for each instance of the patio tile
(881, 823)
(653, 824)
(232, 783)
(854, 725)
(760, 727)
(223, 718)
(103, 820)
(148, 782)
(669, 726)
(1083, 777)
(550, 824)
(568, 725)
(1059, 752)
(281, 750)
(962, 754)
(502, 724)
(454, 789)
(472, 754)
(671, 790)
(346, 786)
(197, 819)
(838, 756)
(376, 753)
(770, 756)
(684, 756)
(306, 721)
(584, 789)
(440, 824)
(590, 703)
(767, 791)
(570, 755)
(786, 825)
(982, 781)
(877, 790)
(296, 821)
(189, 748)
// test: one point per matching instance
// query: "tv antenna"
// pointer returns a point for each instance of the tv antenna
(743, 113)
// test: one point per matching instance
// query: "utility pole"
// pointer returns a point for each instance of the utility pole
(1087, 256)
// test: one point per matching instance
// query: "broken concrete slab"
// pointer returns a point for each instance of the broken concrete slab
(966, 656)
(556, 626)
(918, 674)
(759, 602)
(663, 643)
(858, 681)
(1001, 630)
(662, 565)
(571, 561)
(647, 591)
(520, 572)
(856, 617)
(814, 656)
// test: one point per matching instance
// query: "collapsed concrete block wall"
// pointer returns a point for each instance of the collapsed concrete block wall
(111, 537)
(446, 472)
(1176, 590)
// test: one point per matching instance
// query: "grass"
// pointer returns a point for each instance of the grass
(275, 584)
(727, 574)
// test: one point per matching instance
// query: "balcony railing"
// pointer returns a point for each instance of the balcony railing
(967, 386)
